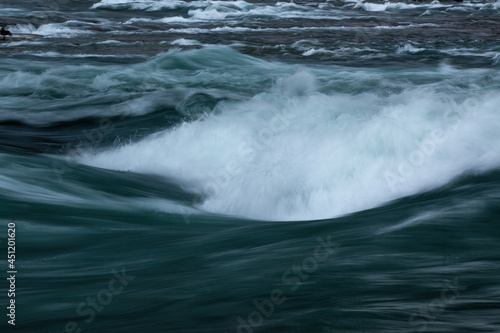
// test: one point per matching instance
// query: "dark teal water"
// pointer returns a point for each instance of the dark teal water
(232, 166)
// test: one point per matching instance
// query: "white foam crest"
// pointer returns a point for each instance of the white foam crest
(495, 5)
(167, 20)
(110, 41)
(47, 30)
(408, 48)
(21, 28)
(314, 51)
(152, 5)
(296, 153)
(116, 42)
(219, 11)
(379, 7)
(343, 51)
(428, 7)
(104, 81)
(226, 9)
(222, 10)
(207, 14)
(185, 42)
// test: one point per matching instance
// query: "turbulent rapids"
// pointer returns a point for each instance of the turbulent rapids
(149, 148)
(303, 147)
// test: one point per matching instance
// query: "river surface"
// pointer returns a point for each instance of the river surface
(251, 166)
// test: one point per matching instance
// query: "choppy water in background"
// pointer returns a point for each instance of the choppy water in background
(208, 148)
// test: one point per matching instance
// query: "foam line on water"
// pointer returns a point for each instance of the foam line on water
(217, 9)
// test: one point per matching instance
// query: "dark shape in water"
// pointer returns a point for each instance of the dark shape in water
(4, 33)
